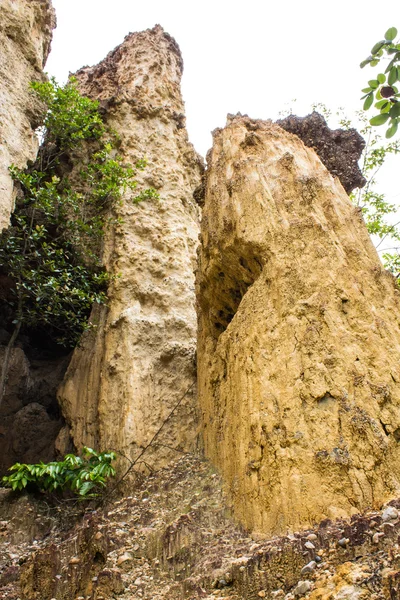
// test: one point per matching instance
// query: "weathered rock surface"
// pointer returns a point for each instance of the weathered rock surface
(173, 538)
(126, 377)
(30, 419)
(339, 149)
(299, 341)
(25, 34)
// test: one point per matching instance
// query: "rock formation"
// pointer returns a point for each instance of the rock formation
(29, 415)
(130, 373)
(25, 34)
(30, 419)
(339, 149)
(182, 544)
(299, 342)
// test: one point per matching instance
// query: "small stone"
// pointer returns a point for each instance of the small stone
(309, 545)
(390, 514)
(74, 560)
(343, 542)
(98, 535)
(309, 568)
(376, 537)
(312, 537)
(137, 581)
(262, 594)
(302, 588)
(124, 558)
(254, 547)
(318, 559)
(222, 583)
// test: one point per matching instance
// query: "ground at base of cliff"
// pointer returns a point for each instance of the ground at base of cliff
(173, 538)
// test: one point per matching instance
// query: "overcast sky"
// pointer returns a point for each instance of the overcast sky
(254, 56)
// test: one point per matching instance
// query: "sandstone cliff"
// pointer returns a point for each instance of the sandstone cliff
(128, 375)
(299, 343)
(25, 34)
(29, 415)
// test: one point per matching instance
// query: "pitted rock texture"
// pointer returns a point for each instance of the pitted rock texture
(299, 341)
(339, 149)
(129, 374)
(25, 34)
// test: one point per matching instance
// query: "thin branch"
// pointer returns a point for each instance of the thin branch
(157, 433)
(388, 233)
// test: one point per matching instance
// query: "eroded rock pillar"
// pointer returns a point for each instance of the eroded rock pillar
(299, 340)
(26, 28)
(128, 375)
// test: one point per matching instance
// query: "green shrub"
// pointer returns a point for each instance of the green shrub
(52, 251)
(85, 476)
(383, 90)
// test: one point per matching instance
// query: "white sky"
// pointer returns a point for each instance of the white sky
(254, 57)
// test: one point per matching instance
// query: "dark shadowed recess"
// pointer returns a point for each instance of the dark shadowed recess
(30, 418)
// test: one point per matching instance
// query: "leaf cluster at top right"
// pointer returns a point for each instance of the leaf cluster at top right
(383, 90)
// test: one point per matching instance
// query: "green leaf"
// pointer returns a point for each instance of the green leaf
(392, 130)
(368, 102)
(378, 46)
(381, 103)
(379, 119)
(366, 90)
(391, 34)
(365, 62)
(395, 110)
(381, 78)
(392, 78)
(373, 83)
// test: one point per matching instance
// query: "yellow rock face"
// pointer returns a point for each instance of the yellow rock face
(299, 342)
(128, 375)
(25, 34)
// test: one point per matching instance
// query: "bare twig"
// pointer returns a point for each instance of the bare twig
(138, 458)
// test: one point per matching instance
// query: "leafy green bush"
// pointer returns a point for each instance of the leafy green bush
(84, 476)
(383, 88)
(52, 251)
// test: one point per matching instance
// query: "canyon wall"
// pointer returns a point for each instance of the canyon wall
(299, 342)
(25, 35)
(129, 374)
(29, 415)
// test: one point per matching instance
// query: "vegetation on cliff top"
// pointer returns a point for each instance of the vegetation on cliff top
(383, 88)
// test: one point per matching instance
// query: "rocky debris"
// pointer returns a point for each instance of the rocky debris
(298, 344)
(339, 149)
(128, 375)
(390, 514)
(173, 538)
(26, 28)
